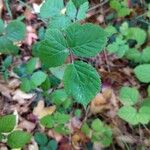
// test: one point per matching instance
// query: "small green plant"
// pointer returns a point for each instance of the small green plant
(59, 16)
(81, 81)
(5, 66)
(98, 132)
(122, 47)
(12, 33)
(57, 122)
(129, 97)
(44, 143)
(30, 79)
(121, 7)
(61, 99)
(13, 138)
(123, 38)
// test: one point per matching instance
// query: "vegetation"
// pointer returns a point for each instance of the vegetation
(52, 94)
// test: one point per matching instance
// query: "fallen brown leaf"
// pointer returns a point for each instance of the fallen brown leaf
(78, 139)
(55, 135)
(13, 83)
(29, 126)
(101, 102)
(21, 97)
(40, 110)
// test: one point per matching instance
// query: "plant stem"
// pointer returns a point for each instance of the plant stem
(8, 8)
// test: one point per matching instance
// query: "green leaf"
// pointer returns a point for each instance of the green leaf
(146, 102)
(81, 81)
(53, 51)
(128, 114)
(110, 30)
(15, 31)
(42, 147)
(30, 66)
(134, 32)
(46, 84)
(47, 121)
(1, 137)
(133, 55)
(52, 145)
(2, 27)
(101, 133)
(38, 78)
(7, 62)
(82, 11)
(107, 137)
(25, 85)
(60, 22)
(85, 40)
(7, 123)
(78, 113)
(97, 125)
(7, 47)
(51, 8)
(61, 129)
(86, 129)
(58, 71)
(146, 55)
(59, 96)
(18, 139)
(144, 115)
(61, 118)
(148, 90)
(119, 47)
(128, 95)
(78, 3)
(142, 72)
(121, 7)
(40, 138)
(71, 10)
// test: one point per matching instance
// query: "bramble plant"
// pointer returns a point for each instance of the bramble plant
(81, 80)
(65, 38)
(98, 132)
(66, 102)
(121, 7)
